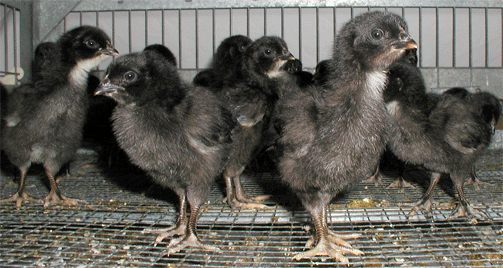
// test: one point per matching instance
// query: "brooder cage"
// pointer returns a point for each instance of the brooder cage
(460, 44)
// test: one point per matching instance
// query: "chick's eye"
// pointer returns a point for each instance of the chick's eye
(377, 34)
(267, 52)
(91, 44)
(130, 76)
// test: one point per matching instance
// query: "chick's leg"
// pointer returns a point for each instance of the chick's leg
(474, 180)
(190, 238)
(426, 201)
(463, 208)
(236, 197)
(400, 182)
(55, 196)
(376, 178)
(328, 243)
(241, 195)
(20, 196)
(181, 222)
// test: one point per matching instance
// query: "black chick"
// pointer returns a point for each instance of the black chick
(440, 132)
(3, 105)
(164, 51)
(402, 73)
(251, 102)
(488, 107)
(268, 154)
(302, 78)
(485, 104)
(334, 138)
(45, 54)
(49, 115)
(177, 134)
(225, 65)
(322, 73)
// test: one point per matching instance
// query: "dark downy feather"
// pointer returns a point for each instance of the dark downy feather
(177, 134)
(333, 135)
(45, 120)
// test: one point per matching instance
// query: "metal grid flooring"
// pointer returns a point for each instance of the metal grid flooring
(108, 230)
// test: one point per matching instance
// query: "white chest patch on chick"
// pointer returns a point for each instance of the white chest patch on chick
(79, 74)
(275, 70)
(375, 82)
(393, 107)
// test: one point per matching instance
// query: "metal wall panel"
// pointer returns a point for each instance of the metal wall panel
(460, 43)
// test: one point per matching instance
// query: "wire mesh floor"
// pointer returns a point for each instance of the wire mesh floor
(108, 230)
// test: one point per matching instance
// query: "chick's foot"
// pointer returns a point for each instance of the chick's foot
(20, 199)
(400, 183)
(325, 247)
(469, 212)
(477, 182)
(376, 179)
(177, 230)
(424, 204)
(54, 198)
(189, 240)
(335, 238)
(248, 204)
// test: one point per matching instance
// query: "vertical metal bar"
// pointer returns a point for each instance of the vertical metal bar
(265, 21)
(14, 35)
(335, 21)
(437, 45)
(197, 38)
(180, 37)
(146, 27)
(486, 26)
(454, 37)
(248, 21)
(300, 33)
(282, 22)
(80, 18)
(6, 40)
(129, 31)
(317, 34)
(113, 26)
(470, 37)
(163, 35)
(420, 34)
(230, 20)
(213, 32)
